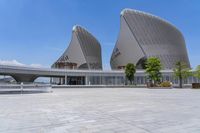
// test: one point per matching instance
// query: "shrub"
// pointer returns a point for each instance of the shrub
(165, 84)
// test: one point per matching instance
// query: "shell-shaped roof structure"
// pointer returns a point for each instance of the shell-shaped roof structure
(84, 52)
(143, 35)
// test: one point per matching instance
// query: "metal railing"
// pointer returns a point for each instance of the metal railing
(24, 87)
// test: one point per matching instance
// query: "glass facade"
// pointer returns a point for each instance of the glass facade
(116, 79)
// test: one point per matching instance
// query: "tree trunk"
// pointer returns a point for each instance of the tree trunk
(181, 82)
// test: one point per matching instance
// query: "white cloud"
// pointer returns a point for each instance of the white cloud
(36, 65)
(17, 63)
(11, 62)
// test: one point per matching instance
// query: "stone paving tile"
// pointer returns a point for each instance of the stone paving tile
(102, 110)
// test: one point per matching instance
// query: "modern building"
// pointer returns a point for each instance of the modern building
(84, 52)
(143, 35)
(86, 77)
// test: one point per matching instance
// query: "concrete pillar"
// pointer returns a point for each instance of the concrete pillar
(86, 80)
(100, 79)
(51, 80)
(65, 79)
(61, 81)
(115, 80)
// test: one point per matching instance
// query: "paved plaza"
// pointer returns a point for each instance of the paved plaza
(102, 110)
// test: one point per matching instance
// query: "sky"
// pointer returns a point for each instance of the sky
(37, 32)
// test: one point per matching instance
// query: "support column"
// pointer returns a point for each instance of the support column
(86, 80)
(61, 81)
(115, 80)
(65, 79)
(51, 80)
(101, 83)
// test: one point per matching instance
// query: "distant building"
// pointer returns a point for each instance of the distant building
(143, 35)
(84, 52)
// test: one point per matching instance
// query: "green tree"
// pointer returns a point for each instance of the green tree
(153, 67)
(197, 72)
(130, 72)
(181, 71)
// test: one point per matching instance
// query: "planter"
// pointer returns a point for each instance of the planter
(196, 85)
(163, 85)
(149, 85)
(160, 87)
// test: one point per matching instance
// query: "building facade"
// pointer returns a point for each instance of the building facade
(84, 52)
(143, 35)
(86, 77)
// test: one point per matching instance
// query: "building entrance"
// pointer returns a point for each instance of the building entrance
(75, 80)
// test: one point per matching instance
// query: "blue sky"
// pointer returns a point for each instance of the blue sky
(37, 32)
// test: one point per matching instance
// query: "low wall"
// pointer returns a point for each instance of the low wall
(6, 88)
(97, 86)
(110, 86)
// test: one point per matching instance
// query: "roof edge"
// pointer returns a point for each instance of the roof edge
(124, 11)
